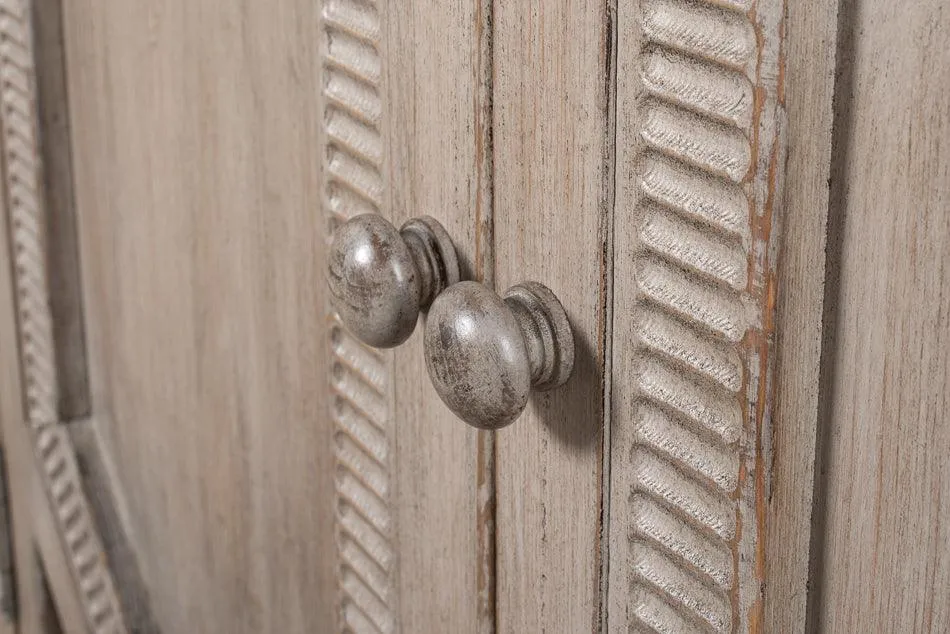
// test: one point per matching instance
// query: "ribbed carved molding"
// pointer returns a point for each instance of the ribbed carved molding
(23, 195)
(696, 304)
(63, 484)
(22, 182)
(352, 73)
(360, 376)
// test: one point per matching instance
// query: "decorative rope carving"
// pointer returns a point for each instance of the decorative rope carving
(354, 184)
(76, 529)
(24, 198)
(23, 194)
(696, 259)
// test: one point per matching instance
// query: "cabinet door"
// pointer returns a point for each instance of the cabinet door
(194, 442)
(217, 453)
(882, 551)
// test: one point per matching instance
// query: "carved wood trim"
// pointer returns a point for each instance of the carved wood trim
(690, 445)
(360, 382)
(79, 535)
(23, 192)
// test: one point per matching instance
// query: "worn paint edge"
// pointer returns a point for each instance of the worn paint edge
(607, 309)
(709, 161)
(486, 555)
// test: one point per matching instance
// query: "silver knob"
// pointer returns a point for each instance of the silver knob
(380, 278)
(484, 353)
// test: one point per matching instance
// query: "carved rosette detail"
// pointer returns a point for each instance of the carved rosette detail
(24, 200)
(698, 289)
(360, 376)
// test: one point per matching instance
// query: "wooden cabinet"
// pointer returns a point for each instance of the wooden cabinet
(743, 205)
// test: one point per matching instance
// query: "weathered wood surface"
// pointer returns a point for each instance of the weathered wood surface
(254, 441)
(700, 158)
(214, 143)
(404, 99)
(810, 35)
(552, 186)
(63, 252)
(198, 176)
(883, 492)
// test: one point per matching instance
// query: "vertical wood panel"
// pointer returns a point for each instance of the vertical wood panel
(198, 187)
(407, 475)
(434, 162)
(440, 162)
(56, 154)
(551, 95)
(212, 124)
(884, 493)
(700, 159)
(811, 31)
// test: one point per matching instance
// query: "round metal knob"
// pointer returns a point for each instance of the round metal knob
(485, 354)
(380, 278)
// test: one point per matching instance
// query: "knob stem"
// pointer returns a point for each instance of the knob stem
(546, 331)
(434, 256)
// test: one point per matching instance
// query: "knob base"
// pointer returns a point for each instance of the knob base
(547, 332)
(434, 254)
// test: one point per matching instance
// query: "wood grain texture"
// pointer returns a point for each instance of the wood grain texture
(197, 140)
(552, 197)
(395, 150)
(67, 518)
(883, 492)
(7, 580)
(65, 289)
(255, 440)
(811, 32)
(700, 155)
(439, 164)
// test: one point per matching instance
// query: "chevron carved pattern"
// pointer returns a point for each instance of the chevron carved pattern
(360, 376)
(24, 197)
(696, 305)
(71, 509)
(23, 193)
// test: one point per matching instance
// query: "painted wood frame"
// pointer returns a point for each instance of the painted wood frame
(25, 234)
